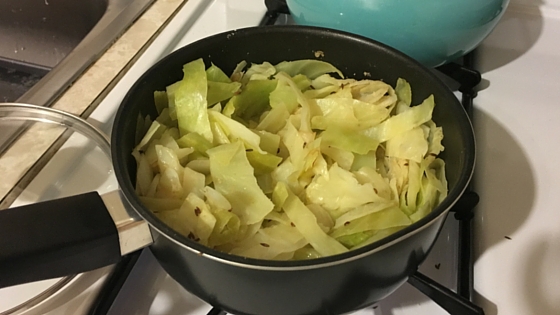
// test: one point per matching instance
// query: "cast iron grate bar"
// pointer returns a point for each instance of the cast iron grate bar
(216, 311)
(113, 285)
(274, 9)
(465, 281)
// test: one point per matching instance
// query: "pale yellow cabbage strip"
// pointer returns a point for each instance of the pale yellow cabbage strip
(190, 101)
(306, 223)
(233, 178)
(403, 122)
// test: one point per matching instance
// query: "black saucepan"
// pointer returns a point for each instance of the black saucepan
(77, 234)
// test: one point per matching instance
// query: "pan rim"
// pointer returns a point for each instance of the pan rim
(442, 209)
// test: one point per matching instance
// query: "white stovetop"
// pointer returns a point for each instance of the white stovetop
(517, 268)
(516, 123)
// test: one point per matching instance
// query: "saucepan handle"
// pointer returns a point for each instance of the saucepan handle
(66, 236)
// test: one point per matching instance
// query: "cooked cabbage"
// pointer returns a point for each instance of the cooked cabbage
(288, 161)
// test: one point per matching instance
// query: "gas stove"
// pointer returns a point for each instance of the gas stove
(449, 264)
(512, 265)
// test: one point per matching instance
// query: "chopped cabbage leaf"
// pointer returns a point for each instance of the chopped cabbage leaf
(170, 90)
(190, 101)
(411, 145)
(434, 139)
(270, 142)
(193, 182)
(355, 239)
(403, 91)
(236, 130)
(339, 190)
(377, 235)
(233, 178)
(362, 211)
(154, 132)
(160, 100)
(387, 218)
(306, 252)
(161, 204)
(308, 67)
(215, 74)
(269, 242)
(198, 218)
(144, 175)
(347, 140)
(373, 92)
(219, 91)
(254, 98)
(274, 120)
(262, 163)
(306, 223)
(284, 96)
(226, 228)
(344, 159)
(262, 71)
(195, 141)
(167, 158)
(169, 185)
(402, 122)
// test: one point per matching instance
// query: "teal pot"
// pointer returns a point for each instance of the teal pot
(433, 32)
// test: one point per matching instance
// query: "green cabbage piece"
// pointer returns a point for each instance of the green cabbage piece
(198, 218)
(262, 71)
(377, 235)
(433, 188)
(263, 163)
(270, 142)
(195, 141)
(161, 205)
(306, 223)
(403, 91)
(235, 130)
(190, 101)
(371, 91)
(160, 100)
(219, 91)
(309, 68)
(411, 145)
(215, 74)
(270, 242)
(253, 99)
(384, 219)
(339, 190)
(274, 120)
(233, 177)
(170, 90)
(144, 175)
(434, 138)
(355, 239)
(348, 140)
(416, 116)
(283, 95)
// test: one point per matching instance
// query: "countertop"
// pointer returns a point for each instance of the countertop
(20, 162)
